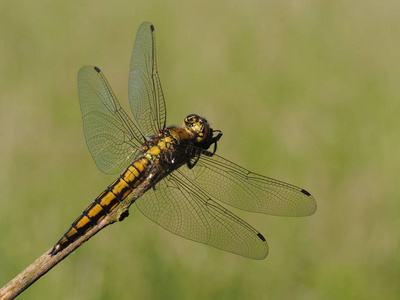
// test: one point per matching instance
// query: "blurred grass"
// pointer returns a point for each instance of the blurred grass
(305, 92)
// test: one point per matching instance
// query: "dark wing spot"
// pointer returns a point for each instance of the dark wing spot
(97, 69)
(152, 27)
(305, 192)
(261, 237)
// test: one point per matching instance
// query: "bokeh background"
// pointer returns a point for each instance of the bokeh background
(305, 91)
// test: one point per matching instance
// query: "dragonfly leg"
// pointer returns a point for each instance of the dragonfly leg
(215, 139)
(190, 164)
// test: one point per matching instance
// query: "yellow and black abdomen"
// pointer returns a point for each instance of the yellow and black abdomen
(106, 202)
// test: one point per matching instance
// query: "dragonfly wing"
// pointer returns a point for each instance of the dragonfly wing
(112, 138)
(180, 207)
(145, 93)
(227, 182)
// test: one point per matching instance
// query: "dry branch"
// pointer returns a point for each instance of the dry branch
(46, 262)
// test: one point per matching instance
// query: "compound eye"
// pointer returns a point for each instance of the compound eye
(190, 119)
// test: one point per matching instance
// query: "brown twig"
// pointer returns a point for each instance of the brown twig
(46, 262)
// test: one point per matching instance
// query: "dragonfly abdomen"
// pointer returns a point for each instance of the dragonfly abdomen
(105, 203)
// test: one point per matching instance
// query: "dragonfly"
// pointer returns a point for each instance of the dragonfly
(188, 179)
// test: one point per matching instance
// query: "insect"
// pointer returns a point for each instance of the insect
(189, 179)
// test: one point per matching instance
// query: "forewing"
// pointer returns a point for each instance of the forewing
(227, 182)
(111, 136)
(145, 92)
(180, 207)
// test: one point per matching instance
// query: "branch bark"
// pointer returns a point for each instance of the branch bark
(46, 262)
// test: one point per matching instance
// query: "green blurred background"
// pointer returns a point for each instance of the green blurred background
(305, 92)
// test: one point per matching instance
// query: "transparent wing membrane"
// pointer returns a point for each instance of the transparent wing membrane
(111, 136)
(178, 206)
(145, 93)
(227, 182)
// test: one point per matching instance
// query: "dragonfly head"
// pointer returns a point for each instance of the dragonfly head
(198, 126)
